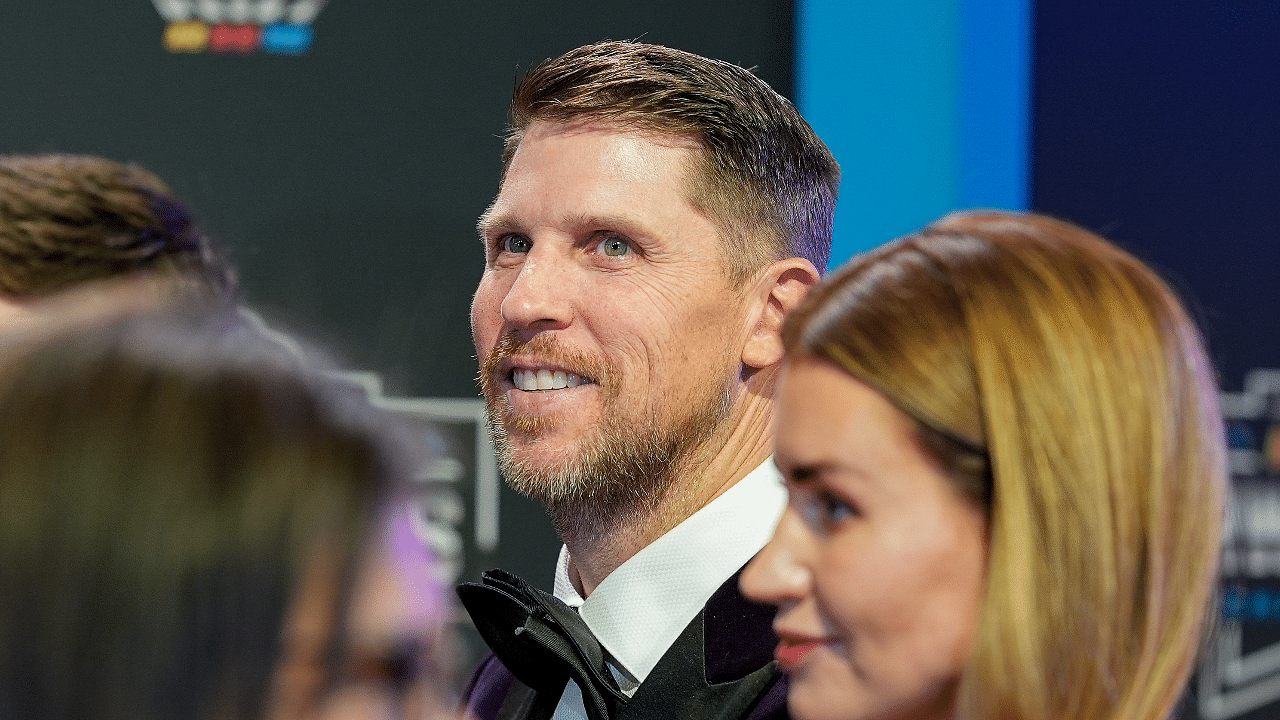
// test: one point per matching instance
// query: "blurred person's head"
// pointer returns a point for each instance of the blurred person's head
(188, 508)
(400, 648)
(66, 220)
(1006, 465)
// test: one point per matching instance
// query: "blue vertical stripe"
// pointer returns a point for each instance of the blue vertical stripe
(995, 97)
(923, 102)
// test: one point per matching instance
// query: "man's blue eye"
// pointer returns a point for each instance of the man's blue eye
(516, 244)
(614, 247)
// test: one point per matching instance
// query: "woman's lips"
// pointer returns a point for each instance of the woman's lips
(792, 652)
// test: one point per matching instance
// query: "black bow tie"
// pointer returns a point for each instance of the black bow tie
(542, 641)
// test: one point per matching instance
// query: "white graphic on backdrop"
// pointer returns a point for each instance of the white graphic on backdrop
(440, 510)
(262, 12)
(1233, 682)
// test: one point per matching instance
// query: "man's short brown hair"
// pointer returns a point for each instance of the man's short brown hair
(765, 178)
(68, 219)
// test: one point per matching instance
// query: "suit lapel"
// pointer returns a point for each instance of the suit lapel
(738, 633)
(719, 667)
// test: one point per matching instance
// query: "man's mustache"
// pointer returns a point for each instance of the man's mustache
(548, 349)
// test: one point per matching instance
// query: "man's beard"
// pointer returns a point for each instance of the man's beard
(623, 469)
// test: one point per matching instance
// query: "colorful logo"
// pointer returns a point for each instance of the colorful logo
(240, 27)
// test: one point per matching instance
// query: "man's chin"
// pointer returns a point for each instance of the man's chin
(588, 468)
(535, 463)
(528, 430)
(541, 479)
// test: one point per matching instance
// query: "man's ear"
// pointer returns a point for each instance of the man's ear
(781, 288)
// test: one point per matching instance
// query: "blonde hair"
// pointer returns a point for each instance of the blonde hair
(1067, 391)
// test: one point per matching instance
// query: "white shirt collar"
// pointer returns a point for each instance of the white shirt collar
(640, 609)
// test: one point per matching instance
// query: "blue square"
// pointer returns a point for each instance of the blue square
(286, 38)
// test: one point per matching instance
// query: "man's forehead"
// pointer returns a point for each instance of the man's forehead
(629, 148)
(637, 127)
(592, 155)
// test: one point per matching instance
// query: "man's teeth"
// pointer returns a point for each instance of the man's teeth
(531, 380)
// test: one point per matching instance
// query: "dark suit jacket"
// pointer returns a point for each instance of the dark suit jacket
(720, 668)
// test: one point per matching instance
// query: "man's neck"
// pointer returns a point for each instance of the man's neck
(598, 548)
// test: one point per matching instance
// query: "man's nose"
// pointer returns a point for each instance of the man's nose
(542, 295)
(780, 572)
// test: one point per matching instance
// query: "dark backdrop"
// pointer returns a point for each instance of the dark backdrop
(345, 182)
(1158, 124)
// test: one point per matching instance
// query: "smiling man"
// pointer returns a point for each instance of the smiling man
(658, 215)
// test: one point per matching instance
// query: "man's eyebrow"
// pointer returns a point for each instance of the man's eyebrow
(489, 223)
(620, 223)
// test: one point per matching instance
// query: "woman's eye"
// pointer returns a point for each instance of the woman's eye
(834, 510)
(822, 510)
(614, 246)
(517, 244)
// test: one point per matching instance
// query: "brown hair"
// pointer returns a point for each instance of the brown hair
(1073, 399)
(169, 482)
(68, 219)
(765, 178)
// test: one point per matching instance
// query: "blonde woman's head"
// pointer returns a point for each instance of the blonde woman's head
(1062, 389)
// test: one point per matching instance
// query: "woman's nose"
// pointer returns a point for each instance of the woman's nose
(780, 573)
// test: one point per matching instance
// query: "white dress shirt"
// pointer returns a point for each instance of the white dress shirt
(640, 609)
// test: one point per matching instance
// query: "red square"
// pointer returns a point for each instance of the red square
(235, 38)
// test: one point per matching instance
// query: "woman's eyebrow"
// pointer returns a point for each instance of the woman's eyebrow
(803, 474)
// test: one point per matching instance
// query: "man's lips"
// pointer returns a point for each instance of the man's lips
(793, 649)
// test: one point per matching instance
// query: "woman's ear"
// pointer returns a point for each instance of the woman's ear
(781, 288)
